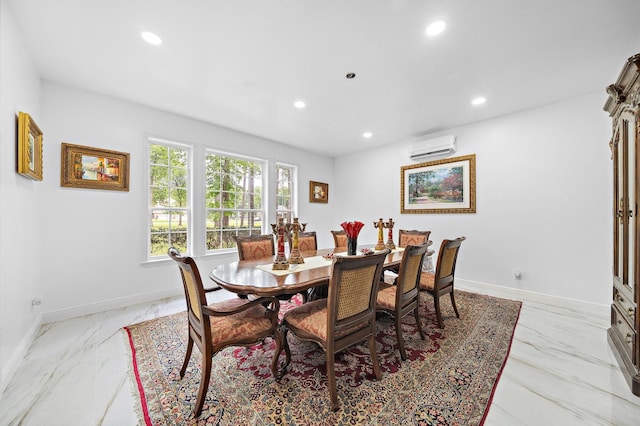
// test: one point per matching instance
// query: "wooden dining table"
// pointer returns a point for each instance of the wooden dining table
(255, 277)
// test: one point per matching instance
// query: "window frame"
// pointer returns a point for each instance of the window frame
(264, 164)
(293, 170)
(188, 209)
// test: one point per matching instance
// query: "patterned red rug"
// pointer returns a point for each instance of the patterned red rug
(448, 378)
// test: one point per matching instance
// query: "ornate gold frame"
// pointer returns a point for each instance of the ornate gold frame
(318, 192)
(29, 147)
(109, 170)
(468, 203)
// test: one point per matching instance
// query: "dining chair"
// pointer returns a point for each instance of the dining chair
(254, 246)
(258, 246)
(406, 238)
(346, 317)
(413, 237)
(339, 238)
(306, 241)
(440, 283)
(234, 322)
(401, 299)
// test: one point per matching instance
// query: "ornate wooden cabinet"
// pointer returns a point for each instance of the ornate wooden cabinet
(623, 105)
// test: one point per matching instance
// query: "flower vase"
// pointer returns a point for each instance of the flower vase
(352, 245)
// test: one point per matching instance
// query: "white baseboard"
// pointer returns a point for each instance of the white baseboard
(530, 296)
(121, 302)
(19, 353)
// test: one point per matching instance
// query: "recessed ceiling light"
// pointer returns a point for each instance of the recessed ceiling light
(479, 101)
(436, 28)
(299, 104)
(367, 135)
(151, 38)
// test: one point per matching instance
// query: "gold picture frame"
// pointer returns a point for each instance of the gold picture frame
(29, 147)
(318, 192)
(94, 168)
(441, 186)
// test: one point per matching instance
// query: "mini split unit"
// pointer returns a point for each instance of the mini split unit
(434, 147)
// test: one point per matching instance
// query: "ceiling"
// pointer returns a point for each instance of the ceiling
(242, 64)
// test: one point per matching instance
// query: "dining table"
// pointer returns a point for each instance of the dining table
(256, 276)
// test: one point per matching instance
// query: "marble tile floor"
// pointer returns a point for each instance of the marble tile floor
(561, 370)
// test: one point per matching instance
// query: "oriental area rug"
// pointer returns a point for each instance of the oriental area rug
(448, 379)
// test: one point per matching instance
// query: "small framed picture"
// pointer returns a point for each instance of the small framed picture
(94, 168)
(318, 192)
(29, 147)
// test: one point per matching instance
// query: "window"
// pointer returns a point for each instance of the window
(285, 194)
(234, 199)
(169, 198)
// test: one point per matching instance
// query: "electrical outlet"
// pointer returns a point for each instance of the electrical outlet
(36, 301)
(517, 274)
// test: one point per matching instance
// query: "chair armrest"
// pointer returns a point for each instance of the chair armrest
(260, 301)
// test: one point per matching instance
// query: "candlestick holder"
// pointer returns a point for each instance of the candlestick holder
(295, 257)
(379, 225)
(389, 225)
(280, 262)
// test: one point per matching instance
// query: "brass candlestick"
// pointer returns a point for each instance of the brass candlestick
(280, 262)
(295, 257)
(379, 225)
(389, 225)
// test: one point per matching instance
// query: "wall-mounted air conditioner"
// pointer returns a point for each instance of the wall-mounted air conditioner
(425, 148)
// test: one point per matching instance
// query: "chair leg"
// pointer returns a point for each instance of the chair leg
(418, 322)
(331, 380)
(436, 302)
(374, 355)
(187, 356)
(403, 353)
(277, 337)
(204, 383)
(453, 302)
(287, 352)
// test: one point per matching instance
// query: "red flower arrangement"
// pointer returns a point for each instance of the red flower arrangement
(352, 229)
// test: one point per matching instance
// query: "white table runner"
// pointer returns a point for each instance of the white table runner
(309, 263)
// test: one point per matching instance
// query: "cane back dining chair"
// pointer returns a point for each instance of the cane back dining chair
(339, 238)
(401, 299)
(440, 283)
(234, 322)
(345, 318)
(406, 238)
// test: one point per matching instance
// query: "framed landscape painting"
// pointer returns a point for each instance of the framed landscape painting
(442, 186)
(94, 168)
(29, 147)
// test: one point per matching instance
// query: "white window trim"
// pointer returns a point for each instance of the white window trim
(190, 188)
(294, 188)
(266, 195)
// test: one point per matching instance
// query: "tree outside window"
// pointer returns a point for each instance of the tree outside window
(234, 204)
(285, 193)
(169, 198)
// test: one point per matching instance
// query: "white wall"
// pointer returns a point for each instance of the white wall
(94, 241)
(543, 200)
(544, 181)
(20, 277)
